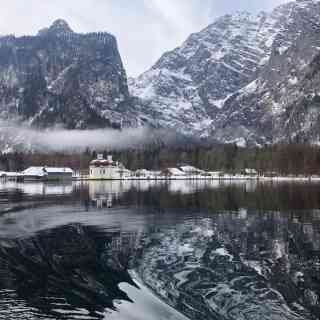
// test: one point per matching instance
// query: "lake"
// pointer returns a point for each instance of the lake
(143, 250)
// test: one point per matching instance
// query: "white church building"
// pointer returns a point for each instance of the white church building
(107, 169)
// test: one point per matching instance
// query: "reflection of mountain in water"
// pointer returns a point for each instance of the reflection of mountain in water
(68, 272)
(237, 266)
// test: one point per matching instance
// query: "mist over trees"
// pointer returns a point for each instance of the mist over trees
(281, 159)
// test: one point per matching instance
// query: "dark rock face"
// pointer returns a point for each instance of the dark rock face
(59, 77)
(244, 79)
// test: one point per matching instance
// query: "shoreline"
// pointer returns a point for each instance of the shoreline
(224, 178)
(171, 178)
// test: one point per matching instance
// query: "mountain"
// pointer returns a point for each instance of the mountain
(282, 104)
(59, 77)
(245, 79)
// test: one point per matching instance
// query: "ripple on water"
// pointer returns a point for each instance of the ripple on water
(195, 269)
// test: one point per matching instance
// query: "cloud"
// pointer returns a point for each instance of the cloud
(23, 138)
(145, 29)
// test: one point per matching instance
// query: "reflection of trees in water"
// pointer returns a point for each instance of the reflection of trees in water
(73, 265)
(261, 196)
(213, 195)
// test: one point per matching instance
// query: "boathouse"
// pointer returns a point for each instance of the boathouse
(47, 174)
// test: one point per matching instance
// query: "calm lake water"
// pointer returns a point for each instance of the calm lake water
(160, 251)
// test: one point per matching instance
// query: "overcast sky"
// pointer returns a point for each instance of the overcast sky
(145, 29)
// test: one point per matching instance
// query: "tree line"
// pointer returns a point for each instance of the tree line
(280, 159)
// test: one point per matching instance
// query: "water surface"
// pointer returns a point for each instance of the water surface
(147, 250)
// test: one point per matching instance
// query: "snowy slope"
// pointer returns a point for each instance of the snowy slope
(188, 86)
(282, 103)
(236, 80)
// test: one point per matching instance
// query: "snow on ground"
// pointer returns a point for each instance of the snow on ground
(220, 102)
(293, 81)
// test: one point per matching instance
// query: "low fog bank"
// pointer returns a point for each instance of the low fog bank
(17, 137)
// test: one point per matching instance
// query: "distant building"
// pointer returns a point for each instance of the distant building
(173, 173)
(144, 174)
(216, 174)
(191, 171)
(47, 174)
(107, 169)
(250, 172)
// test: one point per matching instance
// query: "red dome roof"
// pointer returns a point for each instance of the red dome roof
(101, 162)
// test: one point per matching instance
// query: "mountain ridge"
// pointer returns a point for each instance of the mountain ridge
(195, 86)
(248, 79)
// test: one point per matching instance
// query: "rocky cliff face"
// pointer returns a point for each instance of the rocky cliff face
(188, 86)
(61, 77)
(244, 79)
(282, 103)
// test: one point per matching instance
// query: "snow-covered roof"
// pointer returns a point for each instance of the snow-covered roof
(250, 171)
(215, 173)
(103, 162)
(35, 171)
(143, 171)
(175, 171)
(43, 171)
(189, 169)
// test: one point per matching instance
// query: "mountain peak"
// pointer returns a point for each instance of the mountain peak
(60, 25)
(74, 80)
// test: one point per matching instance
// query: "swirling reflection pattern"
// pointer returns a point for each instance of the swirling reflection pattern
(237, 266)
(212, 251)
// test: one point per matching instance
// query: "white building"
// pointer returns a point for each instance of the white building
(144, 174)
(107, 169)
(173, 173)
(250, 172)
(190, 170)
(47, 173)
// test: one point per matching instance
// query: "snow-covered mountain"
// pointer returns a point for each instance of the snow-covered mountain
(59, 77)
(283, 103)
(243, 79)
